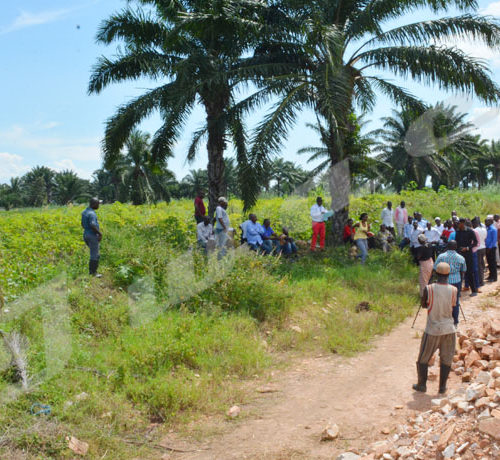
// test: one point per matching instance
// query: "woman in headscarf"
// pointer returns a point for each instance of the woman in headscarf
(424, 259)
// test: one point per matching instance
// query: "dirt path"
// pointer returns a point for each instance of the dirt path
(361, 395)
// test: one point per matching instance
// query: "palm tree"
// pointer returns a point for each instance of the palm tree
(489, 161)
(39, 185)
(195, 49)
(196, 180)
(69, 187)
(331, 59)
(435, 143)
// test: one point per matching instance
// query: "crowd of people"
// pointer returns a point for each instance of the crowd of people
(456, 250)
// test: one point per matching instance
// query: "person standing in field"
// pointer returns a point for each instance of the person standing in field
(222, 224)
(440, 332)
(458, 268)
(361, 236)
(491, 244)
(92, 235)
(426, 264)
(199, 207)
(401, 218)
(407, 231)
(466, 241)
(481, 234)
(496, 222)
(387, 217)
(318, 224)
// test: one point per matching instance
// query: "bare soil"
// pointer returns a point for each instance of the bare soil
(362, 395)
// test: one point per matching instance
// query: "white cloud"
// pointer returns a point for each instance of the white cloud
(12, 166)
(26, 19)
(493, 9)
(36, 144)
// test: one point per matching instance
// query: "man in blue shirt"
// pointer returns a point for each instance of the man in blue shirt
(253, 233)
(407, 229)
(92, 235)
(491, 249)
(270, 238)
(458, 267)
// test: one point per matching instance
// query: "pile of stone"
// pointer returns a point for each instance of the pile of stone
(465, 424)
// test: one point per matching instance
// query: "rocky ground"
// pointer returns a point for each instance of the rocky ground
(328, 407)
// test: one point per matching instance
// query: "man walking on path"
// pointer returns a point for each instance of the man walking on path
(387, 217)
(491, 244)
(401, 218)
(440, 332)
(466, 241)
(318, 224)
(457, 270)
(92, 235)
(199, 207)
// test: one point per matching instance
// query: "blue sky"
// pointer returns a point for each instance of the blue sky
(47, 50)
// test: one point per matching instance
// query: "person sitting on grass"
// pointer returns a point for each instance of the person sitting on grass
(287, 245)
(204, 232)
(243, 227)
(385, 238)
(254, 232)
(349, 232)
(270, 239)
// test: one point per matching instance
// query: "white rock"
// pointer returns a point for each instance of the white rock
(330, 433)
(483, 377)
(387, 457)
(484, 414)
(449, 451)
(348, 456)
(474, 391)
(419, 419)
(234, 412)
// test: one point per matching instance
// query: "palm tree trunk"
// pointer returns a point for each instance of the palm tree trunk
(215, 147)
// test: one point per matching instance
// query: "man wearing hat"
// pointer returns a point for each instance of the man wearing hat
(439, 299)
(92, 234)
(222, 223)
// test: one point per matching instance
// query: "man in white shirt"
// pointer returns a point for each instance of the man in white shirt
(204, 231)
(222, 223)
(401, 218)
(387, 217)
(254, 232)
(414, 244)
(318, 224)
(481, 234)
(431, 234)
(439, 226)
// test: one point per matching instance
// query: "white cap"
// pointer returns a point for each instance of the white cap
(222, 199)
(436, 218)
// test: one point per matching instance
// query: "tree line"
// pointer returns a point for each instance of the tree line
(135, 179)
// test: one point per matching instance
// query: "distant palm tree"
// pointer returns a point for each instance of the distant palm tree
(489, 161)
(435, 143)
(339, 54)
(69, 187)
(195, 181)
(39, 186)
(196, 50)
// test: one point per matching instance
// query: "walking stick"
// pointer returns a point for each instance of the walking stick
(416, 316)
(462, 310)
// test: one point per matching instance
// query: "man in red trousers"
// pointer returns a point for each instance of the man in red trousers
(318, 224)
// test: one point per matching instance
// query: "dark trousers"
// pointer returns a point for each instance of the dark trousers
(469, 276)
(480, 265)
(491, 257)
(456, 308)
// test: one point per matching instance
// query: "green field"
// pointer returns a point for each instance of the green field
(166, 335)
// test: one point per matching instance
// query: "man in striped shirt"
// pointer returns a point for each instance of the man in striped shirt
(458, 268)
